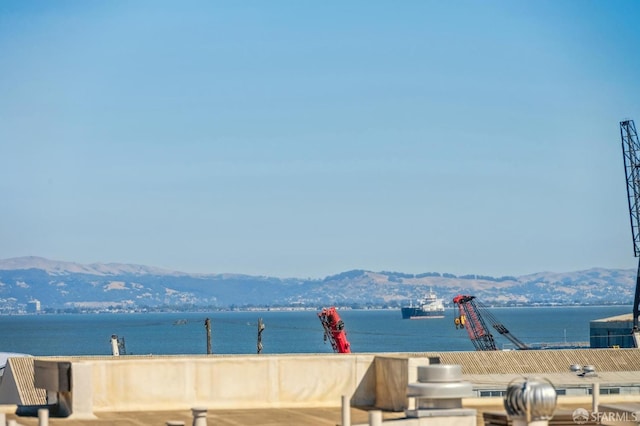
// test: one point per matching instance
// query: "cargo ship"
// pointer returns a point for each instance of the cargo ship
(427, 307)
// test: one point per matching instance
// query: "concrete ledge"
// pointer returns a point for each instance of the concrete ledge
(237, 382)
(8, 408)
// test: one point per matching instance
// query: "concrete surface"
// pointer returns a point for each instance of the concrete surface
(258, 417)
(327, 416)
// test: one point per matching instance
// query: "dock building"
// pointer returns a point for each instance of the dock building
(612, 332)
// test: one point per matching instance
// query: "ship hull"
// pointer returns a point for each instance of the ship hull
(417, 313)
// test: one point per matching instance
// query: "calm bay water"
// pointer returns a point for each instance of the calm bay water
(286, 332)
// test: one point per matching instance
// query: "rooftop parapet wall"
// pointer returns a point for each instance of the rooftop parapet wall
(236, 382)
(309, 380)
(138, 383)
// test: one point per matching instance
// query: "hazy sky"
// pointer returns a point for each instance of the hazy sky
(304, 139)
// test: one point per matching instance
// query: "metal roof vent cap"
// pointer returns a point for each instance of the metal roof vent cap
(438, 396)
(533, 400)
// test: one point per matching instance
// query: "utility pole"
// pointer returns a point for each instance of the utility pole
(207, 325)
(260, 330)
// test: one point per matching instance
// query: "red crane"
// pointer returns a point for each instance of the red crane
(334, 330)
(471, 318)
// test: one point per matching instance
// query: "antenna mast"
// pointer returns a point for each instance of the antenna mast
(631, 155)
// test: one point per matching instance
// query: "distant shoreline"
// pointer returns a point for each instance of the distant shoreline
(80, 311)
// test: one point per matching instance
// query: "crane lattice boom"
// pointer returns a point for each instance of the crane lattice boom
(472, 314)
(631, 156)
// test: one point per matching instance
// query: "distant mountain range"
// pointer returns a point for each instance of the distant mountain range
(97, 286)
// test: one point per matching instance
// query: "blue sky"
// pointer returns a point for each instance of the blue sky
(304, 139)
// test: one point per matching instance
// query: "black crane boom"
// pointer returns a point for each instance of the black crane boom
(631, 156)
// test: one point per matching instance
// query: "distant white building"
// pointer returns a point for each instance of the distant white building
(33, 306)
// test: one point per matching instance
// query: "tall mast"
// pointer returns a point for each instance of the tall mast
(631, 156)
